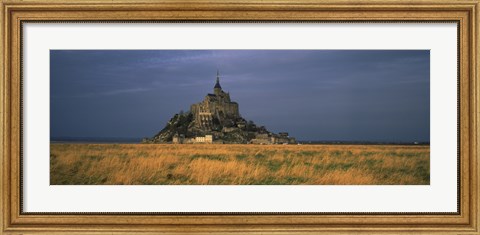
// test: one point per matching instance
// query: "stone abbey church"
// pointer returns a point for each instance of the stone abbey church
(216, 120)
(216, 106)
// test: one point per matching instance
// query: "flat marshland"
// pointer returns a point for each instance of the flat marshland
(202, 164)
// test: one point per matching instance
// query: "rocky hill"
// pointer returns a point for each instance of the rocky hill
(216, 120)
(239, 131)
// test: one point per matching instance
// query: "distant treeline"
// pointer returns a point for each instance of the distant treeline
(96, 139)
(361, 142)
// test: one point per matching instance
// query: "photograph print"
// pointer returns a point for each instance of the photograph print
(239, 117)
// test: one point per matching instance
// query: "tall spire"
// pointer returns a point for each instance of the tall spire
(217, 85)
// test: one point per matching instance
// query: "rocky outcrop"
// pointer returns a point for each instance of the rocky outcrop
(237, 131)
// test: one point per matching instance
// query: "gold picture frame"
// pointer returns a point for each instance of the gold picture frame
(14, 12)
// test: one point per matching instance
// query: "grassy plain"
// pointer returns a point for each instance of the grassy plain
(160, 164)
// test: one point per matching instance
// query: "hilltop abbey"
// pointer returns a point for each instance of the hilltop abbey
(216, 119)
(216, 106)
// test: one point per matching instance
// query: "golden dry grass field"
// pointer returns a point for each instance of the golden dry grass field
(160, 164)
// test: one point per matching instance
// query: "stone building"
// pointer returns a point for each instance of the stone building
(178, 139)
(272, 138)
(207, 139)
(261, 138)
(214, 107)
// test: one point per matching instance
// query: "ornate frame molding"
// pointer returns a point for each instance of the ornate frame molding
(14, 12)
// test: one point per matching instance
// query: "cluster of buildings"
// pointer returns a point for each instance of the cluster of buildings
(270, 138)
(180, 139)
(264, 138)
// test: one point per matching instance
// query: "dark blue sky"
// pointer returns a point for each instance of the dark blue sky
(360, 95)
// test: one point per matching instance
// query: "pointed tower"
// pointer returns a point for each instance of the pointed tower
(217, 89)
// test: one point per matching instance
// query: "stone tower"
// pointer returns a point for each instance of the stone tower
(217, 89)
